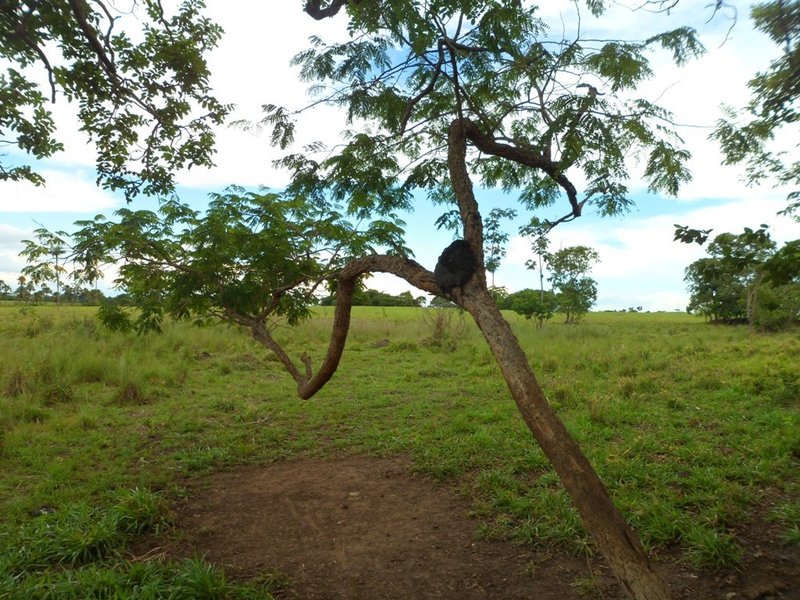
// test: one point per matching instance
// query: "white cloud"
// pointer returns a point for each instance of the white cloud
(64, 191)
(10, 235)
(251, 68)
(10, 246)
(639, 261)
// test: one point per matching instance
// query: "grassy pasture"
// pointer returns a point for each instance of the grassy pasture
(691, 426)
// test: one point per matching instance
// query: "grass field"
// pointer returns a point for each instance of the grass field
(693, 427)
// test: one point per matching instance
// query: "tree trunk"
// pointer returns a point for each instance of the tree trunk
(614, 537)
(617, 541)
(751, 295)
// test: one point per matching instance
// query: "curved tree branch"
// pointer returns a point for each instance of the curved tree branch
(316, 10)
(524, 156)
(405, 268)
(308, 382)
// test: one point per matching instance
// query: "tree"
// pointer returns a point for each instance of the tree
(437, 94)
(144, 100)
(783, 267)
(92, 297)
(716, 293)
(744, 255)
(251, 258)
(68, 294)
(745, 280)
(43, 258)
(24, 291)
(533, 304)
(5, 290)
(575, 292)
(539, 246)
(43, 294)
(773, 109)
(438, 302)
(495, 239)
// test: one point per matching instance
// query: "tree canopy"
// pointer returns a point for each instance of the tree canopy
(746, 280)
(437, 95)
(576, 291)
(533, 105)
(532, 304)
(141, 88)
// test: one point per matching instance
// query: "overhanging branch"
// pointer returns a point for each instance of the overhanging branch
(308, 382)
(316, 10)
(529, 157)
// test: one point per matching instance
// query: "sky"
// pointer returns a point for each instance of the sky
(640, 265)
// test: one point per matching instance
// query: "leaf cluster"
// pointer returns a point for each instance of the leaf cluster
(143, 99)
(411, 69)
(251, 257)
(774, 107)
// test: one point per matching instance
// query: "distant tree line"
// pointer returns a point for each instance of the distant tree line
(29, 293)
(375, 298)
(746, 278)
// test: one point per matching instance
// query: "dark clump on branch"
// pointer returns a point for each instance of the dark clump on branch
(455, 266)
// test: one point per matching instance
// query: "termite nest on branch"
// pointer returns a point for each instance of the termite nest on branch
(455, 266)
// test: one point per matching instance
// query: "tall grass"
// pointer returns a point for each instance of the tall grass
(690, 425)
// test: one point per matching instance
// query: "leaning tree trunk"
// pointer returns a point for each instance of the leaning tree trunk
(614, 537)
(616, 540)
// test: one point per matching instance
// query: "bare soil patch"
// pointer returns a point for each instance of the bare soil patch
(364, 528)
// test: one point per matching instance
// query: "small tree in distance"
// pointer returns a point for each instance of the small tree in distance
(43, 256)
(24, 291)
(539, 246)
(495, 239)
(575, 291)
(533, 304)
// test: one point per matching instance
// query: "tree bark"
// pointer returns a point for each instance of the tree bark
(617, 541)
(614, 537)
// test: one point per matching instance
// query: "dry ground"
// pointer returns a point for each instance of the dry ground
(364, 528)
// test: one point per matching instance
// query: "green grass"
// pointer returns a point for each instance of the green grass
(689, 425)
(76, 552)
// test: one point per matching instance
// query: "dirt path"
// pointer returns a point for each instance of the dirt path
(362, 528)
